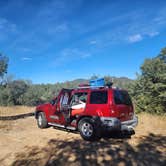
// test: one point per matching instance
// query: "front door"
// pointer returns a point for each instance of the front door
(62, 114)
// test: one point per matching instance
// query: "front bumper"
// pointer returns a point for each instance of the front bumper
(114, 124)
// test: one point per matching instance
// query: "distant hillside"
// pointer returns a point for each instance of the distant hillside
(21, 92)
(121, 82)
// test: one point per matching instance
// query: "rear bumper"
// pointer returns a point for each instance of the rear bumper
(110, 124)
(130, 124)
(114, 124)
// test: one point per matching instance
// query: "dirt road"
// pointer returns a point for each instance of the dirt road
(23, 143)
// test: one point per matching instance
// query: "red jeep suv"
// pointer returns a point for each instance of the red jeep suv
(89, 110)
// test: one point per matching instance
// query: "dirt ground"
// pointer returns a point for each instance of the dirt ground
(15, 110)
(23, 143)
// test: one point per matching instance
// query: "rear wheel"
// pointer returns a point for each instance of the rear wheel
(41, 120)
(88, 129)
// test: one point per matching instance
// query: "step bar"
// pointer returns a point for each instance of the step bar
(62, 126)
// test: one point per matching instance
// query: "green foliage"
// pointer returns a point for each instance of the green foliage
(121, 82)
(12, 93)
(3, 65)
(4, 95)
(21, 92)
(149, 89)
(162, 55)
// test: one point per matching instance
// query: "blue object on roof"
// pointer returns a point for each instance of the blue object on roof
(97, 82)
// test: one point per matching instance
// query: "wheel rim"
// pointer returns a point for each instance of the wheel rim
(40, 120)
(87, 129)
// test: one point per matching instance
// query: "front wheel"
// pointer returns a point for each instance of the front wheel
(88, 129)
(41, 120)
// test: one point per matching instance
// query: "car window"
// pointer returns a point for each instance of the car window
(80, 97)
(99, 97)
(122, 97)
(64, 99)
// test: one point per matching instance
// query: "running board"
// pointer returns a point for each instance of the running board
(62, 126)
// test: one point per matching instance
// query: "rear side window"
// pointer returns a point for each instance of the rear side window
(122, 97)
(98, 97)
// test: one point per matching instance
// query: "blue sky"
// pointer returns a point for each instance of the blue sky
(58, 40)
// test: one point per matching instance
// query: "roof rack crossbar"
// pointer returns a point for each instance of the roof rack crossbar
(86, 87)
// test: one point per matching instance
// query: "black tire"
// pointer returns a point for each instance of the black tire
(88, 129)
(41, 120)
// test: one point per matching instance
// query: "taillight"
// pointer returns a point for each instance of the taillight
(131, 114)
(112, 111)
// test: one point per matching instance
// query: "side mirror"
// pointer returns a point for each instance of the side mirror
(53, 102)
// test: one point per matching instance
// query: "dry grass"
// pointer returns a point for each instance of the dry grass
(149, 123)
(15, 110)
(10, 111)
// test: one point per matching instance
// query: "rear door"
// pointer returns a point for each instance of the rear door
(78, 102)
(123, 104)
(98, 103)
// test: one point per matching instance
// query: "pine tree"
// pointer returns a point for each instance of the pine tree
(149, 89)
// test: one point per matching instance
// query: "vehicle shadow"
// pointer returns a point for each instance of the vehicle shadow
(150, 150)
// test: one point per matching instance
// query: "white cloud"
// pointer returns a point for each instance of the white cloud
(139, 37)
(56, 29)
(61, 28)
(70, 54)
(135, 38)
(7, 26)
(152, 34)
(85, 55)
(7, 29)
(93, 42)
(68, 71)
(25, 49)
(74, 53)
(135, 28)
(26, 59)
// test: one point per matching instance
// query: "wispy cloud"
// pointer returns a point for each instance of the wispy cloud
(68, 71)
(52, 28)
(139, 37)
(6, 25)
(152, 34)
(135, 27)
(93, 42)
(57, 30)
(7, 29)
(135, 38)
(26, 59)
(25, 49)
(70, 55)
(61, 28)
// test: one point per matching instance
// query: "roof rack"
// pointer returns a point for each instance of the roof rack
(90, 87)
(97, 83)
